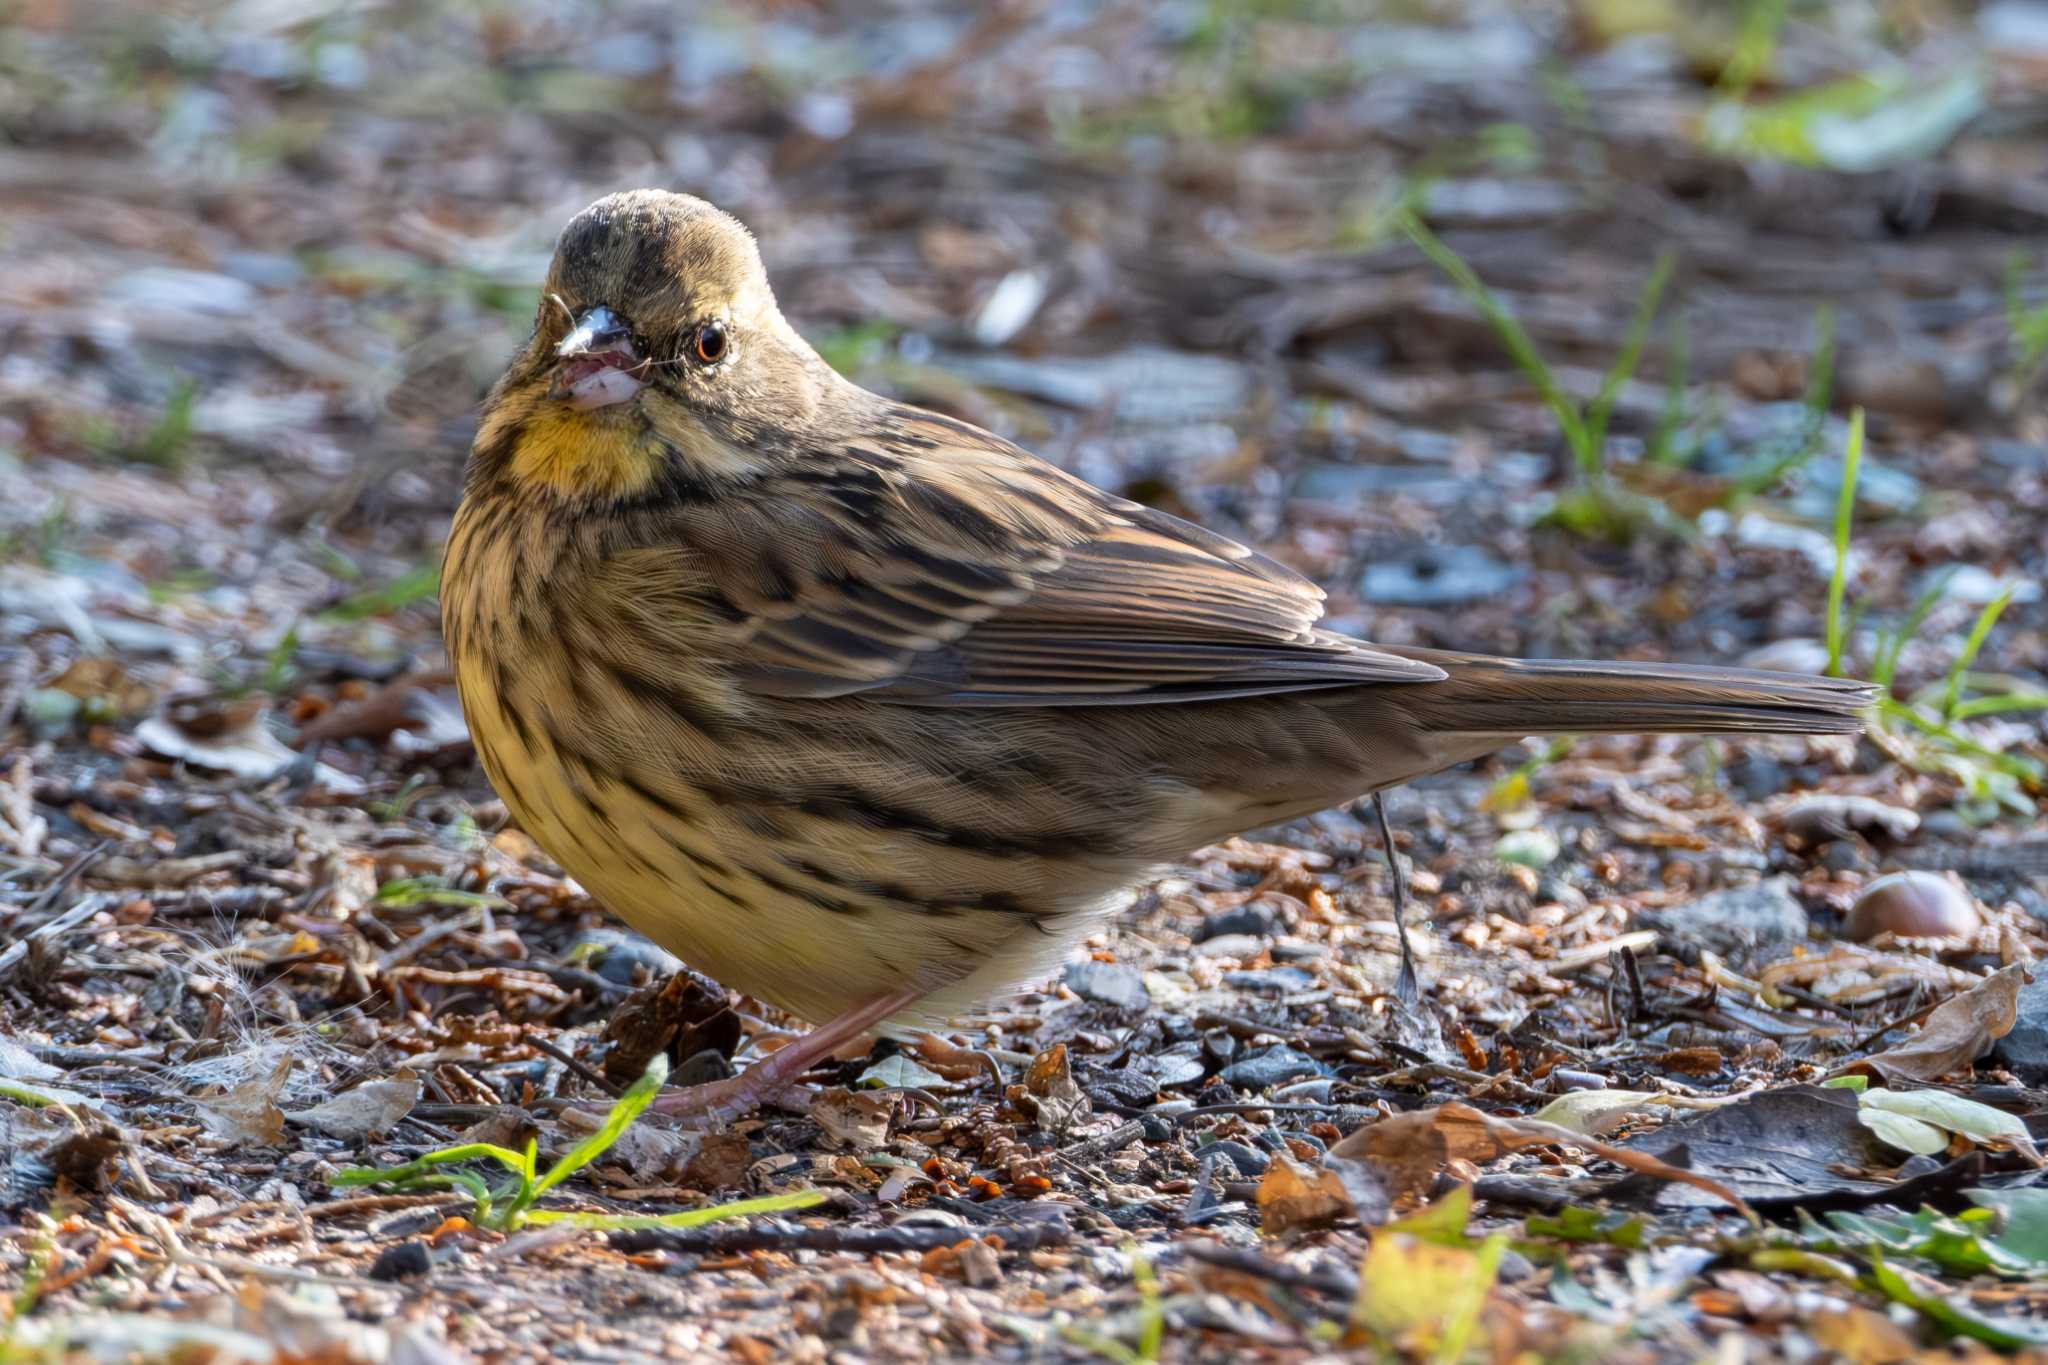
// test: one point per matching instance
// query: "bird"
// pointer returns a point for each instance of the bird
(869, 713)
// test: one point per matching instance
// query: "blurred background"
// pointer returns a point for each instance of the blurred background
(1523, 327)
(1638, 328)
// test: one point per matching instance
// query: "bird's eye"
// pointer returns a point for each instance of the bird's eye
(710, 345)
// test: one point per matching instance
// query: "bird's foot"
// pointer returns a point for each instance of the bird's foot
(944, 1052)
(776, 1076)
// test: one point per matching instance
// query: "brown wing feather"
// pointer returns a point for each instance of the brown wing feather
(942, 566)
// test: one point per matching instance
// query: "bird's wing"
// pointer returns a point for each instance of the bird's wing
(938, 565)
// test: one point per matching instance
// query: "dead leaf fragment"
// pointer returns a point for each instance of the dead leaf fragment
(1050, 1094)
(1408, 1150)
(1293, 1196)
(248, 1113)
(371, 1109)
(1959, 1031)
(666, 1156)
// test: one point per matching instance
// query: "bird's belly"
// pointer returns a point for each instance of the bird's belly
(703, 880)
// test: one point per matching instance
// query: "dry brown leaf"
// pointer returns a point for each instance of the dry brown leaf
(667, 1156)
(1959, 1031)
(1293, 1196)
(248, 1113)
(372, 1108)
(1408, 1150)
(1050, 1094)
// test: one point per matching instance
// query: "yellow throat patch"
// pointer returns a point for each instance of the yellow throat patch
(578, 454)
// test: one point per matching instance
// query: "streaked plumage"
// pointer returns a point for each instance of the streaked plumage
(835, 697)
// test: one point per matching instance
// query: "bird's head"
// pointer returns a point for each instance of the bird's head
(658, 355)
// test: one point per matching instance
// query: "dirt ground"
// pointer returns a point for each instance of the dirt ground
(262, 919)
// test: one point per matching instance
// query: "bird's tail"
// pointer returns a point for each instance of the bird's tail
(1485, 696)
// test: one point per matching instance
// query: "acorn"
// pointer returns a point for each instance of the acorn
(1912, 905)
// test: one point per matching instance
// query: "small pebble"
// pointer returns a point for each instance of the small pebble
(1270, 1067)
(1299, 950)
(1108, 983)
(402, 1261)
(1270, 980)
(1912, 905)
(1253, 918)
(1251, 1163)
(1156, 1128)
(1535, 847)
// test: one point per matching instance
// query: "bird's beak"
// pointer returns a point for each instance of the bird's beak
(599, 365)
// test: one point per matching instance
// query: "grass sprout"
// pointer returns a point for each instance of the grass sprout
(1596, 506)
(2029, 324)
(1927, 730)
(1845, 516)
(417, 584)
(509, 1206)
(1151, 1323)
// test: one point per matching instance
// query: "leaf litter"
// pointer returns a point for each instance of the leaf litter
(261, 922)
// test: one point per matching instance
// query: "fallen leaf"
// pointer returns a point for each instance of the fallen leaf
(1903, 1132)
(248, 1113)
(248, 750)
(1050, 1094)
(1599, 1111)
(1423, 1290)
(1958, 1032)
(1408, 1150)
(1293, 1196)
(371, 1109)
(2023, 1215)
(898, 1072)
(668, 1156)
(1886, 1112)
(1861, 1335)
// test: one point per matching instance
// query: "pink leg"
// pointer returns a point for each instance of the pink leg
(724, 1101)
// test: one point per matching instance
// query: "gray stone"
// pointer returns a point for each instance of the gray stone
(1437, 576)
(1270, 980)
(1270, 1067)
(1108, 983)
(2024, 1051)
(1251, 918)
(1739, 922)
(1251, 1163)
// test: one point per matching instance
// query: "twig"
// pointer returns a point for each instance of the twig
(65, 876)
(1638, 1006)
(1095, 1148)
(542, 1046)
(88, 906)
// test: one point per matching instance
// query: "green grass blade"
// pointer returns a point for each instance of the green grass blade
(1845, 514)
(1511, 335)
(415, 585)
(1820, 387)
(1151, 1311)
(1886, 665)
(689, 1218)
(625, 1109)
(1951, 695)
(1993, 706)
(1624, 367)
(1663, 445)
(418, 1166)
